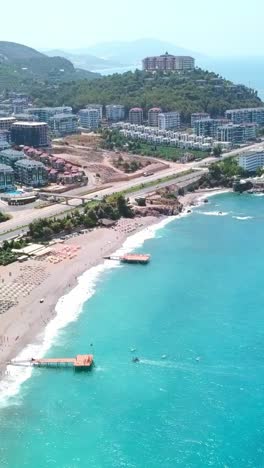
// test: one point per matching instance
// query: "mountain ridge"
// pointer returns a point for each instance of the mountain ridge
(19, 63)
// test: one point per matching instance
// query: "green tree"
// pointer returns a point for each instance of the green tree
(217, 151)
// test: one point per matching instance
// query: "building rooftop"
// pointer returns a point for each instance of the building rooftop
(5, 119)
(28, 163)
(64, 116)
(5, 168)
(249, 109)
(12, 154)
(29, 124)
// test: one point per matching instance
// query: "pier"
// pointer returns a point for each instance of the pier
(142, 259)
(80, 362)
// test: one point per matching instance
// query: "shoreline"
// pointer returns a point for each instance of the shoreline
(28, 326)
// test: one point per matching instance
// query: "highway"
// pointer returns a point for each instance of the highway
(22, 216)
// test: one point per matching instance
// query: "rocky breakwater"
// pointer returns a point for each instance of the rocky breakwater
(162, 202)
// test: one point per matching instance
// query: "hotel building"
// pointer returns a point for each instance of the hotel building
(30, 134)
(153, 116)
(63, 124)
(115, 112)
(89, 118)
(250, 115)
(99, 107)
(136, 116)
(10, 157)
(31, 173)
(168, 62)
(199, 116)
(251, 161)
(169, 121)
(7, 177)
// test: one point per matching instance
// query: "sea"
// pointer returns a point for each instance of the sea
(193, 317)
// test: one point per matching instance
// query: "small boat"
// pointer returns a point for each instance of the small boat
(198, 359)
(135, 359)
(220, 213)
(164, 356)
(41, 301)
(133, 350)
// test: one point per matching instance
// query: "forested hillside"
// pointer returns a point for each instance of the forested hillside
(191, 92)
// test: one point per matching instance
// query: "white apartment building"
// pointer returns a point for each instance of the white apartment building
(251, 161)
(115, 112)
(99, 107)
(199, 116)
(89, 118)
(169, 120)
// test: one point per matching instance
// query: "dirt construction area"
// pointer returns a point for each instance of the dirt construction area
(103, 166)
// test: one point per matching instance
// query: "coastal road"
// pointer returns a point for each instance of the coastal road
(23, 216)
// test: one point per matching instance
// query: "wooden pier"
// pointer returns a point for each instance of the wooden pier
(80, 362)
(142, 259)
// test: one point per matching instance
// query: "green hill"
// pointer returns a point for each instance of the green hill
(198, 91)
(21, 65)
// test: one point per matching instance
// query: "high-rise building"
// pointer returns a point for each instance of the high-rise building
(99, 107)
(199, 116)
(30, 172)
(251, 161)
(115, 112)
(45, 113)
(208, 127)
(89, 118)
(10, 157)
(30, 134)
(236, 134)
(63, 124)
(169, 120)
(6, 122)
(153, 116)
(250, 115)
(136, 116)
(168, 62)
(7, 177)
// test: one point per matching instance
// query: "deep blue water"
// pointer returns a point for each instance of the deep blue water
(200, 297)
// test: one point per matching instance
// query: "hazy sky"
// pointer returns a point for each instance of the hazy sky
(227, 27)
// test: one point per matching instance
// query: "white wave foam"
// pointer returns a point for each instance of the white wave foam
(258, 194)
(67, 310)
(212, 193)
(242, 218)
(213, 213)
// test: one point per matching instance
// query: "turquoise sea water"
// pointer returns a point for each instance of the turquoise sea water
(202, 297)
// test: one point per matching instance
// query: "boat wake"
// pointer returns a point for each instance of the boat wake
(242, 218)
(213, 213)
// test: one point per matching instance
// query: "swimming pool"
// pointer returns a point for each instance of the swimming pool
(14, 192)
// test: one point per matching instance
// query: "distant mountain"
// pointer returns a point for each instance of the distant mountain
(133, 52)
(19, 63)
(84, 60)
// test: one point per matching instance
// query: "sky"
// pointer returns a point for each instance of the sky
(228, 27)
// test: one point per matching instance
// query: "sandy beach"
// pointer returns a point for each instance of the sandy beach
(51, 277)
